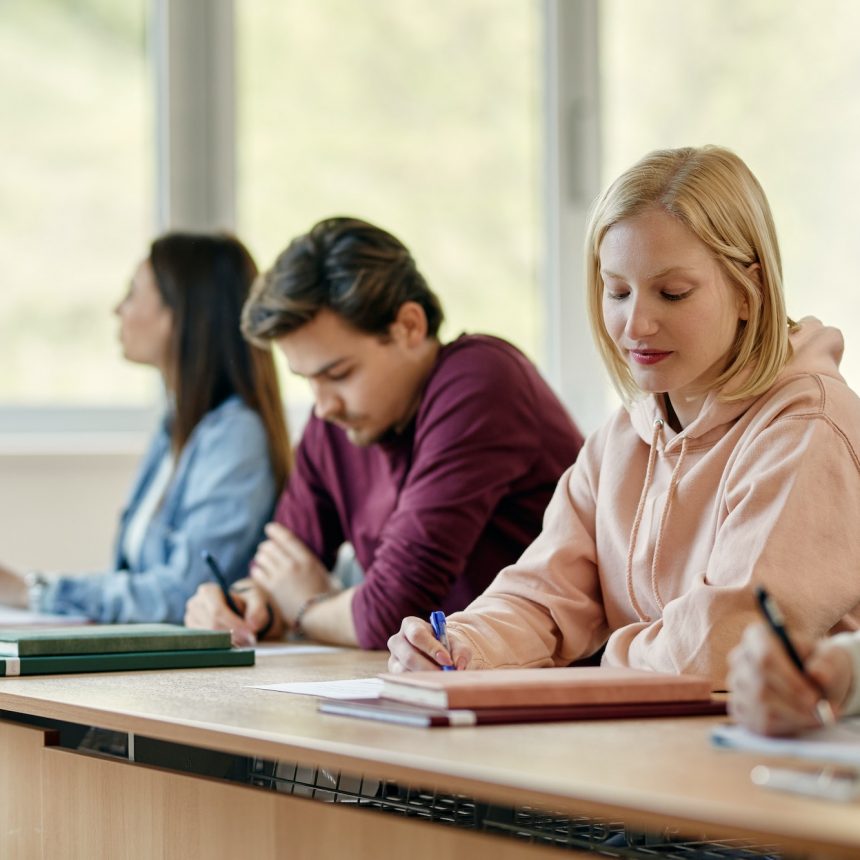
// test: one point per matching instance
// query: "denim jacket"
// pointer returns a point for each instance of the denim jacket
(220, 496)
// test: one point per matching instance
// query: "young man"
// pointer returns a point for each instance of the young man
(435, 461)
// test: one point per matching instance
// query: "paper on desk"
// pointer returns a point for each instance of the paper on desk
(838, 744)
(266, 650)
(12, 616)
(352, 688)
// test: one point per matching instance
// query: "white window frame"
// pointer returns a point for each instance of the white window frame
(193, 58)
(572, 178)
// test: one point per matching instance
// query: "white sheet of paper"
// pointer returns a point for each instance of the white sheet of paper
(12, 616)
(352, 688)
(839, 743)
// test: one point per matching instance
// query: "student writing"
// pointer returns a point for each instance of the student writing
(771, 696)
(733, 462)
(436, 461)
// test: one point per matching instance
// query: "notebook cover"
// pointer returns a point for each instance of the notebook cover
(405, 714)
(107, 639)
(560, 686)
(121, 662)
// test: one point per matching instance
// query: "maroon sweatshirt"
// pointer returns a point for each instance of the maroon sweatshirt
(435, 512)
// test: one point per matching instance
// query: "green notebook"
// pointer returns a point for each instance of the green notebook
(106, 639)
(121, 662)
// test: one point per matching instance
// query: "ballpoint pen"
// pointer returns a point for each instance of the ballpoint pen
(777, 624)
(222, 582)
(228, 597)
(830, 783)
(440, 631)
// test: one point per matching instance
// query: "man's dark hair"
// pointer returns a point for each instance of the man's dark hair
(355, 269)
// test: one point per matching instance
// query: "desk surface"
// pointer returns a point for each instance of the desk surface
(649, 771)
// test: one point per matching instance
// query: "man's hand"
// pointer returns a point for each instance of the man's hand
(13, 587)
(208, 609)
(288, 571)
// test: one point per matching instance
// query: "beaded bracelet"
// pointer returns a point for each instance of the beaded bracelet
(296, 627)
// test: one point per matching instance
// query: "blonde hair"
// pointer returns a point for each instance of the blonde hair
(715, 195)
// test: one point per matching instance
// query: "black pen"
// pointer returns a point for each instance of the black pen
(222, 582)
(776, 623)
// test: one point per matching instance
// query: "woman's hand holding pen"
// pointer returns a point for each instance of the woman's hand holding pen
(208, 609)
(415, 648)
(768, 693)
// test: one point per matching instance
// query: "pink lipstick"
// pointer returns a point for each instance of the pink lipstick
(648, 356)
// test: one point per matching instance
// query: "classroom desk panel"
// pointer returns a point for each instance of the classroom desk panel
(21, 788)
(656, 774)
(101, 810)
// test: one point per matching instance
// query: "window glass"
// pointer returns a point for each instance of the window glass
(76, 181)
(775, 81)
(422, 117)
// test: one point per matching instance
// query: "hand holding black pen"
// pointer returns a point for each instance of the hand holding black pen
(218, 574)
(777, 624)
(222, 582)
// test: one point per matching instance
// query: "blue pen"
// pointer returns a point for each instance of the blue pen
(440, 631)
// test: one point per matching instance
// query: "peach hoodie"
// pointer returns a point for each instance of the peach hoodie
(654, 540)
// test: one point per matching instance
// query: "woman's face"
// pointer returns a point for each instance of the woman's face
(668, 307)
(145, 321)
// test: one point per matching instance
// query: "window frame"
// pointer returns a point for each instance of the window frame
(572, 171)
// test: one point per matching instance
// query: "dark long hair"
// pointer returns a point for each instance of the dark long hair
(205, 279)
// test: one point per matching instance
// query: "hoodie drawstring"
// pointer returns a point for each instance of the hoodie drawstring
(634, 532)
(664, 519)
(676, 476)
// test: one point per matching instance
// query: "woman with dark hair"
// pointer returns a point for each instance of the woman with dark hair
(212, 473)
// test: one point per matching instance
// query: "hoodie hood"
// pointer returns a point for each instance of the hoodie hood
(816, 350)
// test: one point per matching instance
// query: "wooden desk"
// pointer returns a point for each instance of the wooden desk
(653, 774)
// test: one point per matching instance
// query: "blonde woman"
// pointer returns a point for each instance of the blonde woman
(733, 462)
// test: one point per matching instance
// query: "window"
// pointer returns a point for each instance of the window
(776, 82)
(76, 184)
(421, 117)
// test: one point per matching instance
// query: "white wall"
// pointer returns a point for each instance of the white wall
(58, 510)
(61, 493)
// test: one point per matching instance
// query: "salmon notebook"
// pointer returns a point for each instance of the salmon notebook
(575, 685)
(420, 715)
